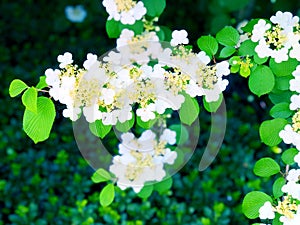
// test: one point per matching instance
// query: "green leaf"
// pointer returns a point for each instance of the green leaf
(252, 202)
(269, 131)
(189, 110)
(107, 195)
(212, 106)
(281, 110)
(101, 175)
(164, 185)
(42, 83)
(154, 7)
(182, 134)
(112, 28)
(227, 51)
(261, 80)
(38, 125)
(249, 26)
(208, 44)
(247, 48)
(278, 184)
(228, 36)
(283, 83)
(284, 68)
(276, 220)
(146, 191)
(126, 126)
(145, 125)
(259, 60)
(266, 167)
(289, 155)
(99, 129)
(137, 27)
(280, 96)
(167, 33)
(29, 99)
(16, 87)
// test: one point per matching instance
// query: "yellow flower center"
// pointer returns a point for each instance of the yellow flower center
(296, 122)
(276, 38)
(124, 5)
(287, 208)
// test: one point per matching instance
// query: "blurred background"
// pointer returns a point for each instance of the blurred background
(49, 183)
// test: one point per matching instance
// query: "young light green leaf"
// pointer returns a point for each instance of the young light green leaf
(189, 110)
(252, 202)
(42, 83)
(101, 175)
(154, 7)
(289, 155)
(164, 185)
(38, 125)
(212, 106)
(146, 191)
(261, 80)
(99, 129)
(269, 131)
(208, 44)
(266, 167)
(278, 184)
(29, 99)
(127, 125)
(107, 195)
(228, 36)
(281, 110)
(16, 87)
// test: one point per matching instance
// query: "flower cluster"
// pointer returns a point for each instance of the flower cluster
(142, 159)
(277, 38)
(107, 90)
(291, 132)
(125, 11)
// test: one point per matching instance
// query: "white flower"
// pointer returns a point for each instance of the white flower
(291, 221)
(52, 77)
(295, 84)
(126, 11)
(296, 73)
(212, 95)
(169, 136)
(295, 102)
(179, 37)
(241, 25)
(295, 52)
(146, 113)
(75, 14)
(107, 96)
(65, 59)
(222, 69)
(266, 211)
(285, 20)
(203, 57)
(92, 113)
(259, 30)
(293, 175)
(110, 118)
(292, 189)
(91, 59)
(289, 136)
(72, 113)
(297, 159)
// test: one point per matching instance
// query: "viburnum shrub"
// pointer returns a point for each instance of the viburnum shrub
(145, 94)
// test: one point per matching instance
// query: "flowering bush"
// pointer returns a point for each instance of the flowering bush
(150, 75)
